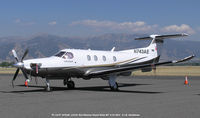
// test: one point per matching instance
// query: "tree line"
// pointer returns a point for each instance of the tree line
(6, 64)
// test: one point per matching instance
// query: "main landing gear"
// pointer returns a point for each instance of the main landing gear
(112, 83)
(70, 84)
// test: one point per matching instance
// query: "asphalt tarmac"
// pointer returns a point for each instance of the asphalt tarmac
(142, 97)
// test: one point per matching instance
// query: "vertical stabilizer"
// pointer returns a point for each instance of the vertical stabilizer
(157, 42)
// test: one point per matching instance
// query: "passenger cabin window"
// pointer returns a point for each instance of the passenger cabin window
(68, 55)
(95, 58)
(88, 57)
(60, 54)
(104, 58)
(114, 58)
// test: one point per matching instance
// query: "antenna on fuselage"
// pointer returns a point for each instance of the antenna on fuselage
(112, 49)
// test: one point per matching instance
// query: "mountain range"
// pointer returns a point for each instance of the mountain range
(44, 45)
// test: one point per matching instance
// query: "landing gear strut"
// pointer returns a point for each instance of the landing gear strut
(70, 84)
(48, 85)
(112, 83)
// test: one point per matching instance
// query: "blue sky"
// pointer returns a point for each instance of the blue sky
(95, 17)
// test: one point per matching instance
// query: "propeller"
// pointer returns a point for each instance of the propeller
(19, 65)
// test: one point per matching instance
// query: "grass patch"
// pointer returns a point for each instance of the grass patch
(8, 70)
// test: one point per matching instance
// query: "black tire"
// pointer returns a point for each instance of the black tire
(71, 84)
(48, 89)
(114, 88)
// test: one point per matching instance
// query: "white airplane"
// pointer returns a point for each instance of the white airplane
(87, 64)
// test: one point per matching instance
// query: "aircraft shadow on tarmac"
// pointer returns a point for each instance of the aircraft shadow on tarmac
(96, 88)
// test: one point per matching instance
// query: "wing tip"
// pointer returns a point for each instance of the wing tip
(184, 59)
(185, 34)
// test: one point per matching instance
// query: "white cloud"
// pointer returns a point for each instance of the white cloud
(138, 26)
(175, 28)
(52, 23)
(134, 27)
(20, 22)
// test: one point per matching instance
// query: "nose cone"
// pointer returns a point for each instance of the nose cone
(19, 65)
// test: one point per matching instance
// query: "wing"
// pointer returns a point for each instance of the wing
(128, 68)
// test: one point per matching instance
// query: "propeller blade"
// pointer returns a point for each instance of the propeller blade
(12, 84)
(15, 55)
(25, 53)
(16, 73)
(24, 73)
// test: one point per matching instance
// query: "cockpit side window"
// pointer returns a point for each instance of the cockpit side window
(68, 55)
(60, 54)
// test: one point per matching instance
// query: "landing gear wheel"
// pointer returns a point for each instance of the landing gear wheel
(48, 89)
(115, 87)
(71, 84)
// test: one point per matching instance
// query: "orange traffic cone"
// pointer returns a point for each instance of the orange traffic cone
(26, 83)
(186, 80)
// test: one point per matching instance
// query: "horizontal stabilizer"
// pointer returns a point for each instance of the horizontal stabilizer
(162, 36)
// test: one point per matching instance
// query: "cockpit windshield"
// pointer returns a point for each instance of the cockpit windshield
(60, 54)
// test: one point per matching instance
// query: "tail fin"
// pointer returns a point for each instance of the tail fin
(158, 40)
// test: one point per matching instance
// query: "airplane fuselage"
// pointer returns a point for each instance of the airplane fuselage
(76, 62)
